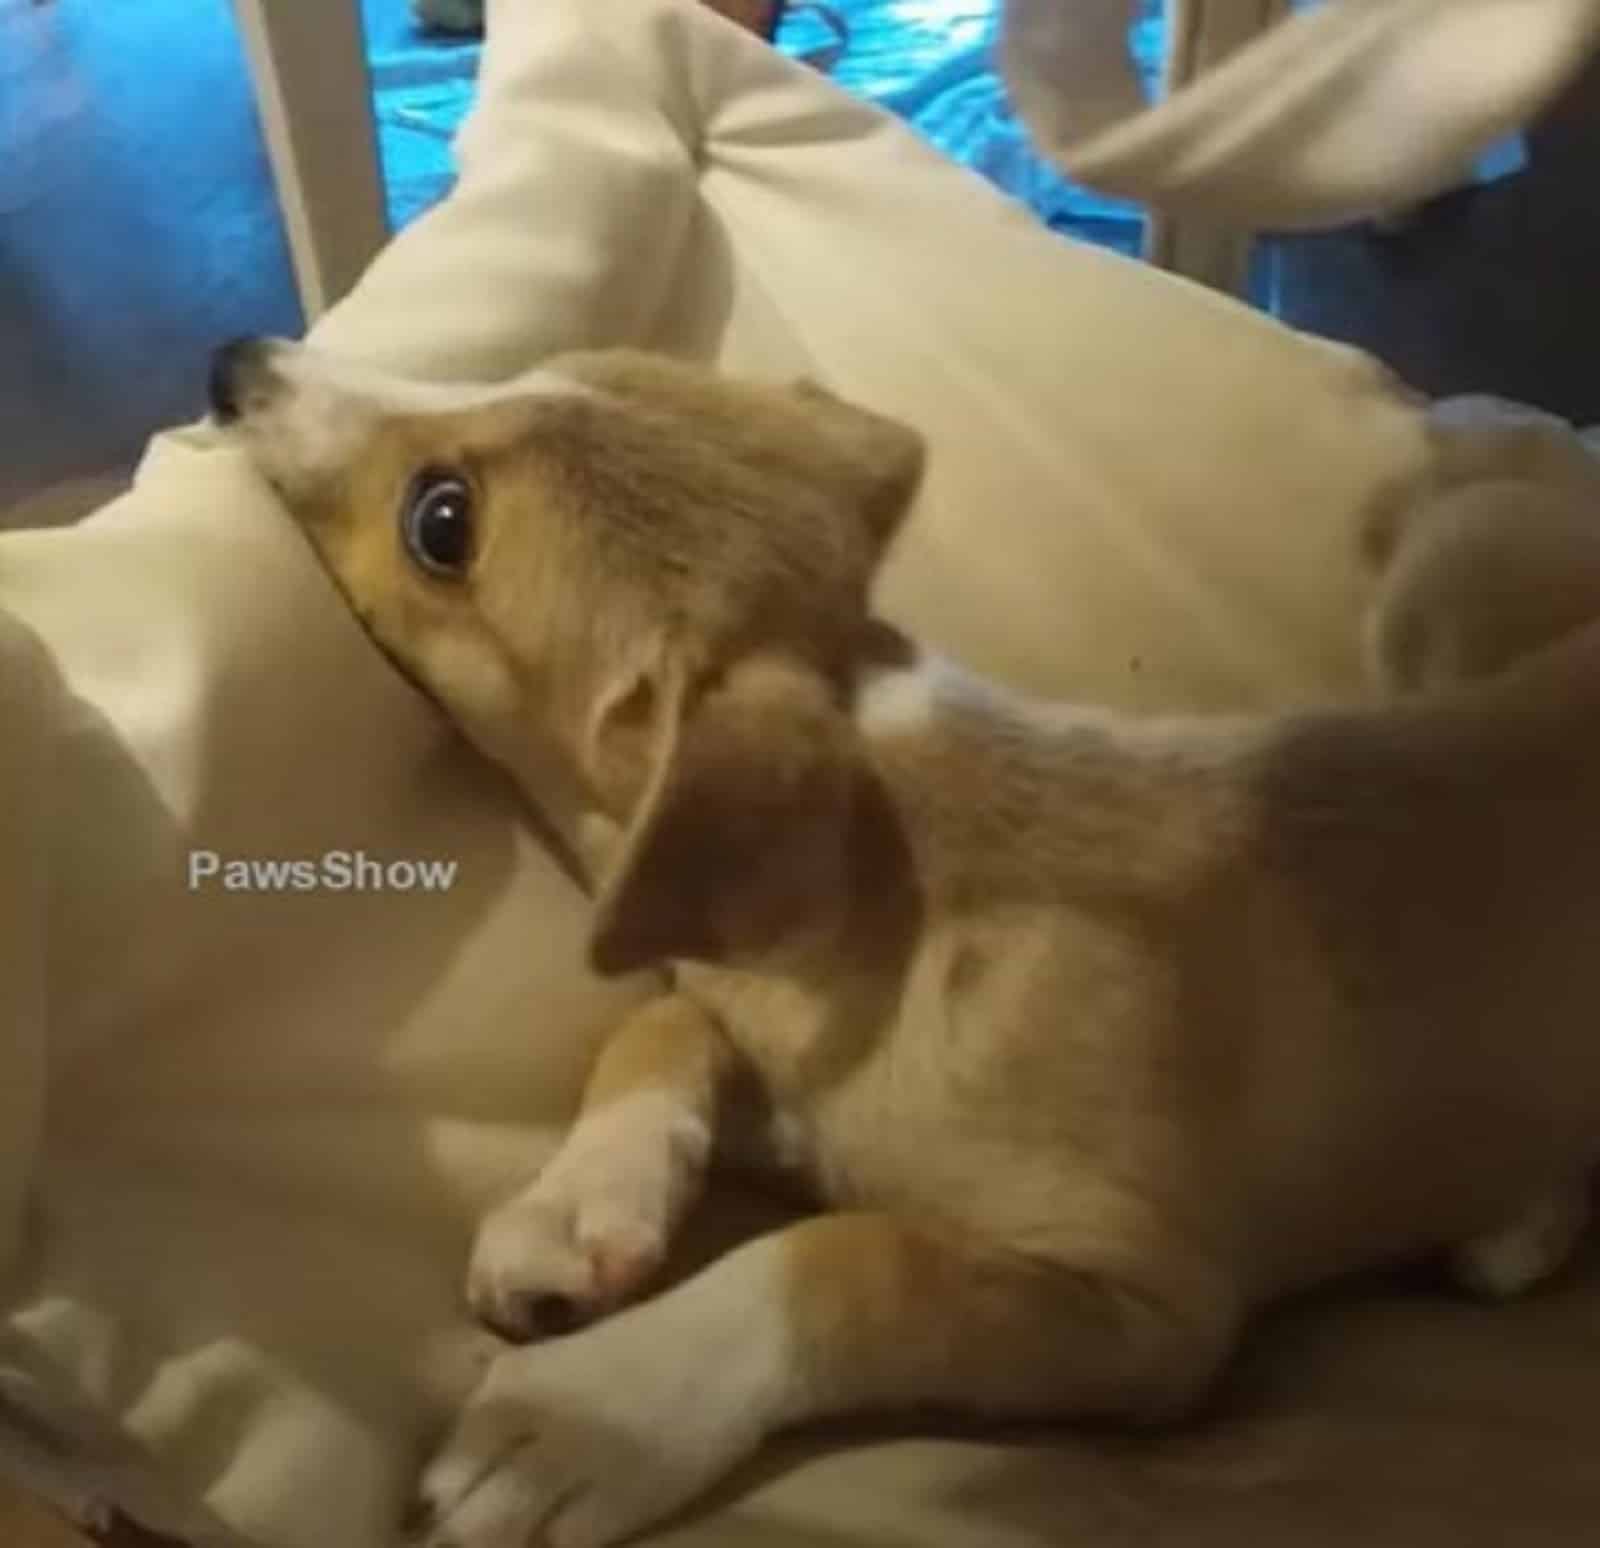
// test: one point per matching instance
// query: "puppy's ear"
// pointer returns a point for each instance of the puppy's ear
(738, 843)
(870, 464)
(880, 461)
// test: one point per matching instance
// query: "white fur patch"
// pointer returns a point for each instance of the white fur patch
(309, 370)
(322, 407)
(644, 1132)
(581, 1442)
(899, 702)
(308, 430)
(1531, 1249)
(606, 1205)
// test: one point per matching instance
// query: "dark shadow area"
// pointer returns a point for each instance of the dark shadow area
(1496, 289)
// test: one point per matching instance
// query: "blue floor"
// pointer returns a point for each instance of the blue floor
(931, 62)
(137, 225)
(422, 88)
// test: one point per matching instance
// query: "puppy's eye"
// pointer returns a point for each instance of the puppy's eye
(437, 522)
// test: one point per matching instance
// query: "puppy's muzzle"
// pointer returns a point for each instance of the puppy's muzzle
(241, 380)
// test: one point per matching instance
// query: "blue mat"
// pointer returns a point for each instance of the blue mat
(932, 63)
(420, 95)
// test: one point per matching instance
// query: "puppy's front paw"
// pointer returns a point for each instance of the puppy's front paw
(553, 1260)
(586, 1440)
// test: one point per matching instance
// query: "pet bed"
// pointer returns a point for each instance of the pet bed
(244, 1136)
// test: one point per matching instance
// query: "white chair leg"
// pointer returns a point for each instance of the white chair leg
(308, 62)
(1200, 34)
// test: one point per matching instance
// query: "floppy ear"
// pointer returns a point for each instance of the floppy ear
(879, 459)
(739, 840)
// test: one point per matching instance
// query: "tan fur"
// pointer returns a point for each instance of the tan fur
(1093, 1033)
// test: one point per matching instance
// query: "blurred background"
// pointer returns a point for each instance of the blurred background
(138, 224)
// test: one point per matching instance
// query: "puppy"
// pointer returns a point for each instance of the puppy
(1090, 1034)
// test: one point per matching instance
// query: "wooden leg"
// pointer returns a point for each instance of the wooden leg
(309, 66)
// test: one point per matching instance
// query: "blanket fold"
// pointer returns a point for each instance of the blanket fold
(1278, 120)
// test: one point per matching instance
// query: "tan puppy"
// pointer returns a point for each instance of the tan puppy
(1093, 1033)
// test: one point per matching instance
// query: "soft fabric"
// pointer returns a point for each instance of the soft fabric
(245, 1135)
(1353, 107)
(268, 1117)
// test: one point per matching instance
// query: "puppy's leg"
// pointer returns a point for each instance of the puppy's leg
(1530, 1249)
(583, 1441)
(1480, 578)
(594, 1225)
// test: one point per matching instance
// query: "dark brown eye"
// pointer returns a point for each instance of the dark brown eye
(437, 523)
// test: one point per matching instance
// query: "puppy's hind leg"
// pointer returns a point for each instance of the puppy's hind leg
(583, 1441)
(1530, 1249)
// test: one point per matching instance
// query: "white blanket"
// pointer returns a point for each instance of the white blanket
(1349, 108)
(243, 1136)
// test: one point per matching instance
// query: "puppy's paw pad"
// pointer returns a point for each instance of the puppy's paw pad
(527, 1267)
(541, 1269)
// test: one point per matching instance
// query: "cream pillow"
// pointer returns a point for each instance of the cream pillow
(270, 1119)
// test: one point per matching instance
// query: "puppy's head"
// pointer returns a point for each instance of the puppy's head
(624, 572)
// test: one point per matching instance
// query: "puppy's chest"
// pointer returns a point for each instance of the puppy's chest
(854, 1144)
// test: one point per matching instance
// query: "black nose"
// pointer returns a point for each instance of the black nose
(232, 368)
